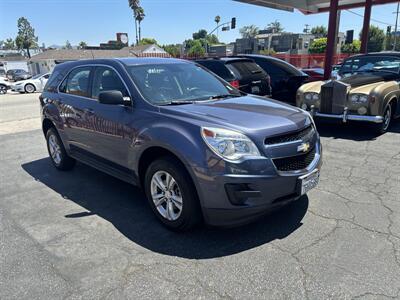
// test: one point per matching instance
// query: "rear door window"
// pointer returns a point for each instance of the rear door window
(218, 68)
(77, 82)
(245, 69)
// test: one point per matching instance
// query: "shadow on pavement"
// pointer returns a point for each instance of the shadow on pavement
(126, 208)
(355, 131)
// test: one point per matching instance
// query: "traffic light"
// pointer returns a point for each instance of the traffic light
(349, 36)
(233, 23)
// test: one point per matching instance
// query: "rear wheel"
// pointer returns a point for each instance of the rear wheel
(29, 88)
(172, 195)
(57, 152)
(3, 89)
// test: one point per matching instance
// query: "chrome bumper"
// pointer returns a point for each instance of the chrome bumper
(346, 116)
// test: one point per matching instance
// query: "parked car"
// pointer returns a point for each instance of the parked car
(35, 84)
(241, 73)
(4, 86)
(199, 148)
(367, 91)
(285, 78)
(3, 73)
(314, 74)
(18, 74)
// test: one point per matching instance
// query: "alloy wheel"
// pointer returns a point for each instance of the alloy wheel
(55, 149)
(387, 117)
(166, 195)
(3, 89)
(29, 88)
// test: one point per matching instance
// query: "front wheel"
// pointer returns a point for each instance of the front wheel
(57, 152)
(3, 89)
(172, 195)
(387, 118)
(29, 88)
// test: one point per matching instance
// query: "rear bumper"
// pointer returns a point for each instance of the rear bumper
(347, 117)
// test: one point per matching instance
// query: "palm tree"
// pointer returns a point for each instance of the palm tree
(134, 5)
(217, 20)
(275, 26)
(139, 16)
(249, 31)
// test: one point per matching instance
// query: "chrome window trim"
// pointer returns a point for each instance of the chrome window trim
(94, 65)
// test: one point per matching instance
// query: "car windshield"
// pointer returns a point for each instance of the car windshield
(178, 83)
(376, 64)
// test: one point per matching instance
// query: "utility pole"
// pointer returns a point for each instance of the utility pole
(395, 26)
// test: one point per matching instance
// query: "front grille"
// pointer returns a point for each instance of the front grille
(304, 134)
(295, 163)
(326, 99)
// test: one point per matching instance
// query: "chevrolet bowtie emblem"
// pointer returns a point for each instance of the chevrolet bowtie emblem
(303, 147)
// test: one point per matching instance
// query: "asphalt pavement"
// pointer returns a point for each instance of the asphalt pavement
(85, 235)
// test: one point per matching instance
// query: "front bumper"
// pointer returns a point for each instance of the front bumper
(235, 199)
(346, 116)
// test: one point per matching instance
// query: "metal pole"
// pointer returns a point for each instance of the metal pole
(395, 27)
(365, 30)
(331, 44)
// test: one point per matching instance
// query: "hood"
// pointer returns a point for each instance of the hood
(360, 79)
(249, 114)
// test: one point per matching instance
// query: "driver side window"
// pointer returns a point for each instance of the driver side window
(106, 79)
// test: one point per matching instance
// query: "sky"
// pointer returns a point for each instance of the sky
(168, 21)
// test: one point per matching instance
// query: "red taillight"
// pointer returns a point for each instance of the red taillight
(235, 83)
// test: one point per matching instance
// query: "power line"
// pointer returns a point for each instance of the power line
(362, 16)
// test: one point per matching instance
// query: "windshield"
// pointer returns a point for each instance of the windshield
(372, 64)
(163, 84)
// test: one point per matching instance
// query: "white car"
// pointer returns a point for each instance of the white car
(34, 84)
(4, 86)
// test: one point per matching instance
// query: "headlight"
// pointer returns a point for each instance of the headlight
(311, 96)
(228, 144)
(359, 98)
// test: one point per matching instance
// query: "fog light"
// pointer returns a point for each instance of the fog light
(304, 106)
(362, 110)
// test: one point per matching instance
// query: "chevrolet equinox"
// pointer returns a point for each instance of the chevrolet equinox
(199, 148)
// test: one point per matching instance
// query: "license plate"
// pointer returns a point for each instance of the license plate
(309, 181)
(255, 89)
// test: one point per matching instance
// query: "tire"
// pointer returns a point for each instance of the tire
(178, 205)
(29, 88)
(387, 117)
(3, 89)
(57, 153)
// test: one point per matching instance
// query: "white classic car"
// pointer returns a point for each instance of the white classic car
(34, 84)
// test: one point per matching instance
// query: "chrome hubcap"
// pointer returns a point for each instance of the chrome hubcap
(29, 88)
(2, 89)
(166, 195)
(55, 150)
(387, 118)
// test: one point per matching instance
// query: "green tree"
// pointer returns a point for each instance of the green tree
(275, 26)
(9, 44)
(139, 17)
(67, 45)
(248, 31)
(26, 38)
(82, 45)
(319, 31)
(376, 38)
(173, 50)
(354, 47)
(197, 49)
(148, 41)
(318, 45)
(201, 34)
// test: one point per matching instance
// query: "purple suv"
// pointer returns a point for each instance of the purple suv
(199, 148)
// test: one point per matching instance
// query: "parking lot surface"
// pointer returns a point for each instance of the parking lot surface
(85, 235)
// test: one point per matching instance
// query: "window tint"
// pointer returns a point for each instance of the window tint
(77, 82)
(106, 79)
(272, 69)
(218, 68)
(54, 80)
(244, 68)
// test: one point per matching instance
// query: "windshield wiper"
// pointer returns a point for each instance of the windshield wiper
(223, 96)
(178, 102)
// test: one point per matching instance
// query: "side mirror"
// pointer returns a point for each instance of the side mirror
(111, 97)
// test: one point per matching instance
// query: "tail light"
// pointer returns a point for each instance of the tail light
(235, 83)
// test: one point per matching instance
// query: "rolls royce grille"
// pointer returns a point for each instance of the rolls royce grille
(304, 135)
(295, 163)
(326, 99)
